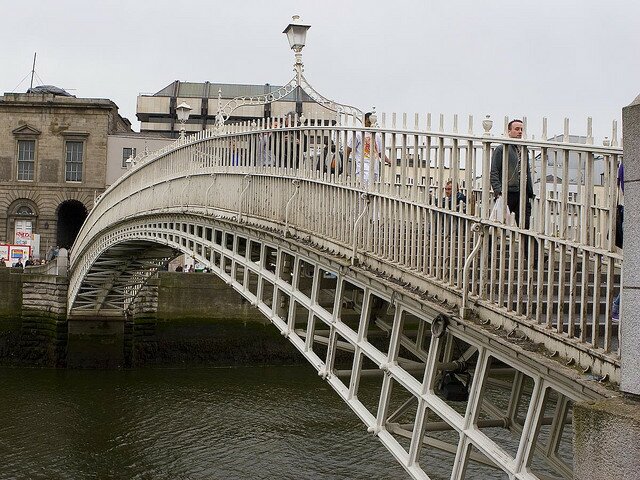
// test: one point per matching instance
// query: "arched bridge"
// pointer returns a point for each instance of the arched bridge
(457, 339)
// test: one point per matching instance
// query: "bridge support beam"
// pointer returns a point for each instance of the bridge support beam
(96, 340)
(607, 439)
(630, 301)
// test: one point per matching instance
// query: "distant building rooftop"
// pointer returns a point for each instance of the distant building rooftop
(572, 138)
(50, 89)
(229, 90)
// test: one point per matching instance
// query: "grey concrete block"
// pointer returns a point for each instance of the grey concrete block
(606, 439)
(632, 226)
(631, 141)
(630, 340)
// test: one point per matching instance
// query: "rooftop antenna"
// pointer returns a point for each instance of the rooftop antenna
(33, 69)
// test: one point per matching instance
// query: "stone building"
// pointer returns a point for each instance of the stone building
(53, 162)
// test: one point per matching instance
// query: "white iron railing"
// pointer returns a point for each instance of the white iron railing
(561, 273)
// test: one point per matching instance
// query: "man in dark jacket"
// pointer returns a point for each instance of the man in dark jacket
(514, 130)
(448, 192)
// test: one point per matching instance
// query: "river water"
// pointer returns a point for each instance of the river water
(203, 423)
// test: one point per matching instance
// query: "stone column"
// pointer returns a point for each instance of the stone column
(630, 300)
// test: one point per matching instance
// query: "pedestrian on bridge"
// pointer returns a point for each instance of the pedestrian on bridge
(291, 141)
(615, 307)
(515, 158)
(267, 147)
(366, 147)
(448, 192)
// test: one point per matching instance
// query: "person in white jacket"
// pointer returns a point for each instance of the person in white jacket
(365, 150)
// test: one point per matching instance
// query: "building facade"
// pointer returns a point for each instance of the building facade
(157, 112)
(122, 146)
(53, 162)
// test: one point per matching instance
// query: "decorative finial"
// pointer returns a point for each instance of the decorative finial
(487, 123)
(373, 118)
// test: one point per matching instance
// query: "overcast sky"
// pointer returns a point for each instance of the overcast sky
(555, 58)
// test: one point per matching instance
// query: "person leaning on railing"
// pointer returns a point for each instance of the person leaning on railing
(331, 159)
(514, 130)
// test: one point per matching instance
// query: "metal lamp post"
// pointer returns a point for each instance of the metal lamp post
(296, 33)
(182, 111)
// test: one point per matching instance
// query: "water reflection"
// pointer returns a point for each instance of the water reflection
(226, 423)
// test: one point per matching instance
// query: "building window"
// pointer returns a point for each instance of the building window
(73, 171)
(24, 210)
(26, 159)
(126, 153)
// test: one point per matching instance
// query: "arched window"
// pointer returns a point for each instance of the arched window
(24, 210)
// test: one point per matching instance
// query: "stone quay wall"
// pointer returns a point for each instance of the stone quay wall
(10, 314)
(177, 319)
(196, 318)
(43, 318)
(32, 318)
(606, 441)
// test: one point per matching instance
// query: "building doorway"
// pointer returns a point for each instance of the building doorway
(71, 215)
(23, 232)
(22, 218)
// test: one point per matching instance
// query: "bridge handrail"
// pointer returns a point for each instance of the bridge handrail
(235, 131)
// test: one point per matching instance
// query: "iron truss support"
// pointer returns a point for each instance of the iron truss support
(118, 274)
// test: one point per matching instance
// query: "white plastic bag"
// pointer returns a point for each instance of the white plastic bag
(497, 212)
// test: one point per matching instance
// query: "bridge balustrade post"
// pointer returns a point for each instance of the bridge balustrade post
(607, 432)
